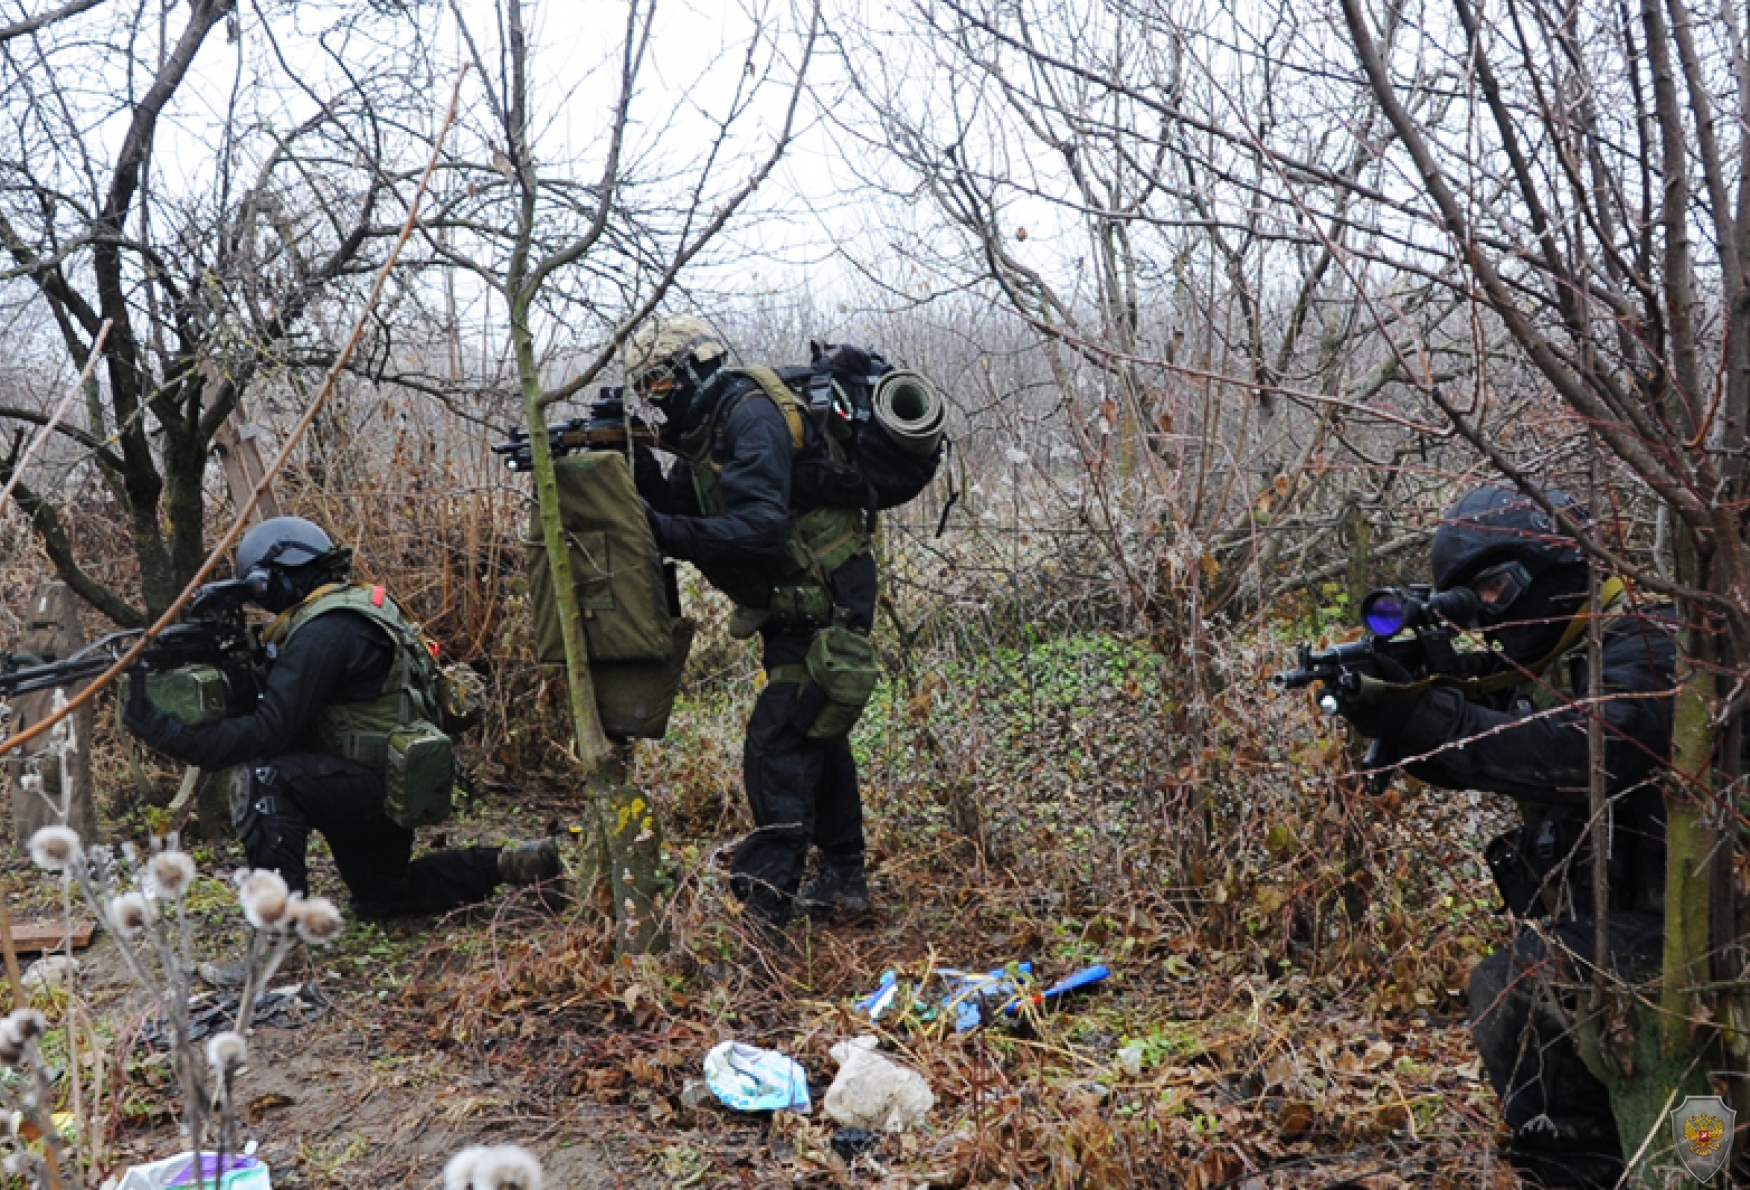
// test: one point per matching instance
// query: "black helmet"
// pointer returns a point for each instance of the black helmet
(1494, 525)
(286, 558)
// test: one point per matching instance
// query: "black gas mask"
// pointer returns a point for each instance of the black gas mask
(673, 392)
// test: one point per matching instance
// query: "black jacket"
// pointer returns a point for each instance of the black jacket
(759, 493)
(1541, 759)
(753, 444)
(335, 658)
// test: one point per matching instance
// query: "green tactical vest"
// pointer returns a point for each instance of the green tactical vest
(798, 589)
(359, 731)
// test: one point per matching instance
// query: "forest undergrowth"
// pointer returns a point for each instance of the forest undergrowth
(1287, 954)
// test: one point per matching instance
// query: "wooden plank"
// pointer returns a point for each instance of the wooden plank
(40, 937)
(52, 630)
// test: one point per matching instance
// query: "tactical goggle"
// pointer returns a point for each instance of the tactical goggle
(1499, 586)
(659, 383)
(260, 576)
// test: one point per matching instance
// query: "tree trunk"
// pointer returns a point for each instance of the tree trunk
(1664, 1054)
(630, 841)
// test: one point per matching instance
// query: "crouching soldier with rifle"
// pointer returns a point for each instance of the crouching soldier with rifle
(340, 735)
(1514, 720)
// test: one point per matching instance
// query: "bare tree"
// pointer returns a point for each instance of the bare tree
(206, 244)
(579, 264)
(1119, 176)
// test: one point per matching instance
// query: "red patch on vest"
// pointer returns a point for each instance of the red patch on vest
(377, 594)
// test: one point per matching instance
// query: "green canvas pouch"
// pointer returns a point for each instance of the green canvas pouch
(841, 662)
(419, 775)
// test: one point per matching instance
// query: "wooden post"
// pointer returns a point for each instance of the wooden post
(51, 632)
(241, 460)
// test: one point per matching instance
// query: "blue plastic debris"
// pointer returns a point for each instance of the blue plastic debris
(882, 998)
(968, 998)
(968, 992)
(1081, 979)
(748, 1078)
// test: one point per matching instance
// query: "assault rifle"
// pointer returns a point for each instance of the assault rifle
(186, 664)
(604, 429)
(1349, 674)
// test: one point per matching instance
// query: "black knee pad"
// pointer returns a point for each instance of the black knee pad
(263, 819)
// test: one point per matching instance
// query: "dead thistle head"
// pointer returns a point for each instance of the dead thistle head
(17, 1032)
(264, 897)
(318, 921)
(493, 1167)
(226, 1052)
(129, 914)
(170, 875)
(56, 848)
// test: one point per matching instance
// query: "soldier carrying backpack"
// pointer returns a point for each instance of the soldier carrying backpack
(768, 500)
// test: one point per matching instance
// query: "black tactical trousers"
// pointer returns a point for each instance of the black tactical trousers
(1521, 1000)
(800, 791)
(298, 792)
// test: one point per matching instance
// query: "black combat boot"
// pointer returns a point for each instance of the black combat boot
(529, 863)
(836, 889)
(1571, 1155)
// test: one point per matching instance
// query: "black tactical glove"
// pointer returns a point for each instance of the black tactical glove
(647, 474)
(656, 520)
(1386, 715)
(153, 727)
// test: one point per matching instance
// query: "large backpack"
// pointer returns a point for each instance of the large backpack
(885, 422)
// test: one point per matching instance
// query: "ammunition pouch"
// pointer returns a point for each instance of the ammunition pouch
(418, 775)
(796, 607)
(841, 667)
(193, 695)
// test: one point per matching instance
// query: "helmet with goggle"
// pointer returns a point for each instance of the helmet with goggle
(670, 352)
(285, 558)
(1496, 541)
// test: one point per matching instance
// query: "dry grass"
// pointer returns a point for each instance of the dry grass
(1287, 955)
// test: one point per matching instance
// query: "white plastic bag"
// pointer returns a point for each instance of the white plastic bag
(751, 1079)
(242, 1172)
(873, 1093)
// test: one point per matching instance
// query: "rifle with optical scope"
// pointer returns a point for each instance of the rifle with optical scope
(1349, 674)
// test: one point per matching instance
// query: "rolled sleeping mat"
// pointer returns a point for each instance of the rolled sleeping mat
(911, 411)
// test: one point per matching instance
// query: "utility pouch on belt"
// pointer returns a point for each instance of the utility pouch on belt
(194, 695)
(841, 663)
(419, 775)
